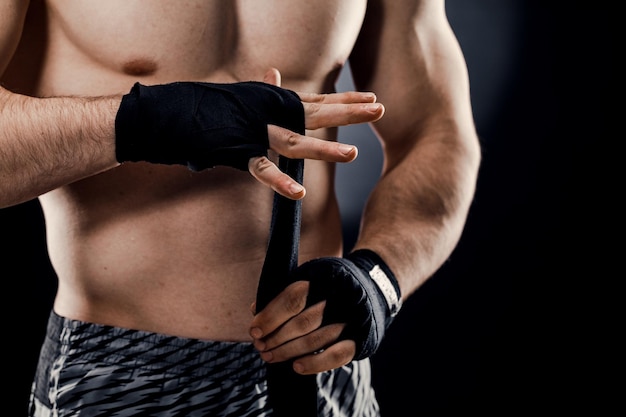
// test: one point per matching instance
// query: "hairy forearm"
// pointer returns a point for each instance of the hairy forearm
(416, 213)
(49, 142)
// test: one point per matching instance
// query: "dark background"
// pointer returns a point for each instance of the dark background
(508, 325)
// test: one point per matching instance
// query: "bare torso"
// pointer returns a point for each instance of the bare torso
(158, 247)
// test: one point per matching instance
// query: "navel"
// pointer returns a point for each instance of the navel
(140, 67)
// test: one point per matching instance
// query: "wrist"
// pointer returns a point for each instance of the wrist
(384, 278)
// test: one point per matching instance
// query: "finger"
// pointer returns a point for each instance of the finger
(335, 356)
(293, 145)
(332, 115)
(302, 324)
(290, 302)
(307, 344)
(267, 173)
(272, 76)
(343, 97)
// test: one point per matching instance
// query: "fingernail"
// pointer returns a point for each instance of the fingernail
(346, 149)
(373, 107)
(296, 188)
(267, 356)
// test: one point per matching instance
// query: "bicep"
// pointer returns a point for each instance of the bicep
(12, 15)
(408, 55)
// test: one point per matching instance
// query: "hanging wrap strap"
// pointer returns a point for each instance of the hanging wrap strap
(290, 394)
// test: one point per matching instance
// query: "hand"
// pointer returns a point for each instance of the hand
(320, 110)
(335, 311)
(202, 125)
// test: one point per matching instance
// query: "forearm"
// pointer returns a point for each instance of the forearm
(416, 213)
(49, 142)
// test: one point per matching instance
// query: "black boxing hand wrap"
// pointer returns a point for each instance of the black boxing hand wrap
(360, 290)
(202, 125)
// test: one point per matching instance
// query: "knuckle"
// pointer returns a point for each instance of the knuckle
(306, 322)
(293, 139)
(315, 99)
(335, 329)
(283, 181)
(321, 98)
(300, 287)
(295, 296)
(318, 340)
(314, 108)
(312, 319)
(261, 164)
(353, 113)
(342, 353)
(294, 302)
(317, 107)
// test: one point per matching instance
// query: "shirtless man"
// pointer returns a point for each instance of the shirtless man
(166, 250)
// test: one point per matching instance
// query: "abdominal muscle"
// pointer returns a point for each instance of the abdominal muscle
(163, 249)
(160, 248)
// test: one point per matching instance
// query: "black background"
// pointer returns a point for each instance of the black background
(509, 325)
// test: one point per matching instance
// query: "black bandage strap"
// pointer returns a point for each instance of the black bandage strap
(202, 125)
(290, 394)
(282, 251)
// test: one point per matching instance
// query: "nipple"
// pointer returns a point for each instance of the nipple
(140, 67)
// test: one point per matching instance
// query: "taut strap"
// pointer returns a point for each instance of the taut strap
(290, 394)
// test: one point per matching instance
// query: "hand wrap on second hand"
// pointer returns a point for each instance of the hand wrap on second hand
(202, 125)
(359, 290)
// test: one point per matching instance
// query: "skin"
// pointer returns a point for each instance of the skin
(162, 249)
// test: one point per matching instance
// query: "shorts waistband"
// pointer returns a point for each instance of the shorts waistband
(83, 341)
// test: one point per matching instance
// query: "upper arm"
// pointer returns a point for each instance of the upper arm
(408, 55)
(12, 15)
